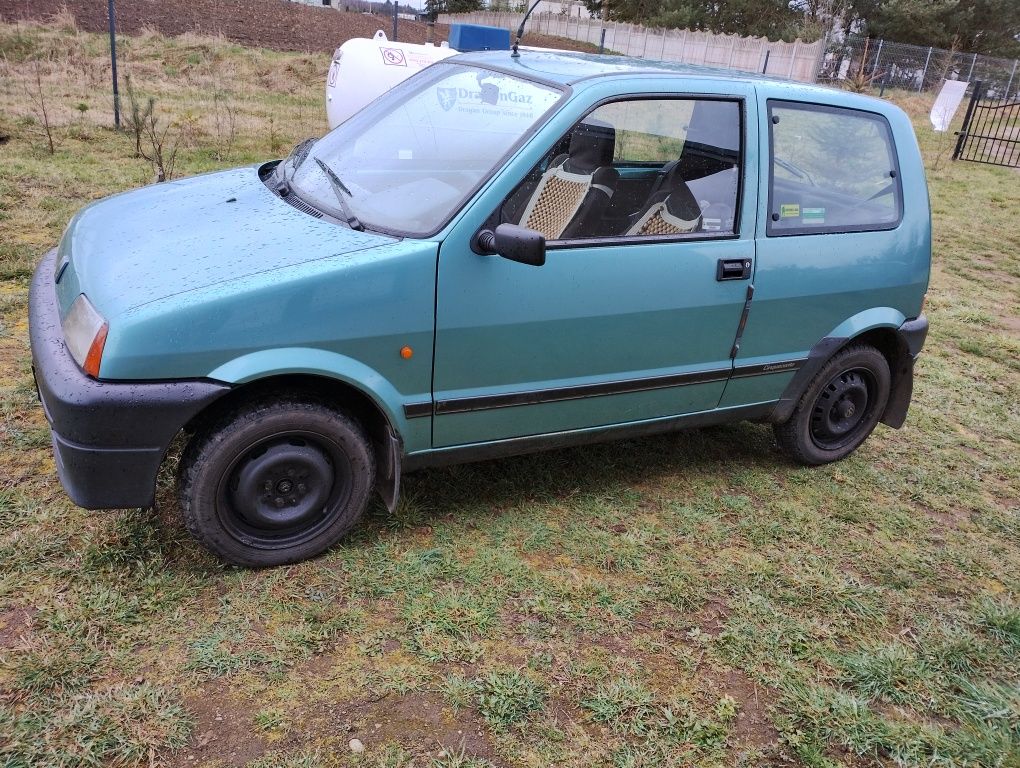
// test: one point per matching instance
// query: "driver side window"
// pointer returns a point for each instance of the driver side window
(634, 169)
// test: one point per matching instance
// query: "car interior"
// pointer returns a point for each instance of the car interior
(579, 191)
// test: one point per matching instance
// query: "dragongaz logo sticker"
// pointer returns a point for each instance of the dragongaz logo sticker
(485, 96)
(447, 98)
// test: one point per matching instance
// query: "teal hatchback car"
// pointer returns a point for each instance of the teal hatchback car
(502, 254)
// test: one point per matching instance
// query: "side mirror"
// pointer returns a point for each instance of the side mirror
(520, 244)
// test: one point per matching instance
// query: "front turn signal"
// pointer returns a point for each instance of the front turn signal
(85, 333)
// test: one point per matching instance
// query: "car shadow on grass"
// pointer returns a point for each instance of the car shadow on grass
(676, 460)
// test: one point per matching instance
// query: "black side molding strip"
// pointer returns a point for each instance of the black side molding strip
(536, 397)
(559, 394)
(417, 410)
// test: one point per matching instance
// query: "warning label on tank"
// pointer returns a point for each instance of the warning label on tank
(393, 57)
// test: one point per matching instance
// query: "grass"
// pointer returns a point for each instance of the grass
(692, 599)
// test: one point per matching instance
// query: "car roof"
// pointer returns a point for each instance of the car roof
(569, 68)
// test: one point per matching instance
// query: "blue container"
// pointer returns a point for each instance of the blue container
(476, 37)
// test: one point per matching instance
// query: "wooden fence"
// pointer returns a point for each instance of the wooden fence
(796, 60)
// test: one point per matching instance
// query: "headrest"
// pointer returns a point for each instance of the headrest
(592, 144)
(715, 123)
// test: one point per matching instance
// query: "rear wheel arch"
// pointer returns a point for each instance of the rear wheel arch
(893, 346)
(888, 340)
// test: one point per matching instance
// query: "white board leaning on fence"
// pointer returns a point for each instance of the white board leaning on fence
(947, 103)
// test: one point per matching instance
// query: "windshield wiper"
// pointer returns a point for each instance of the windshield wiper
(339, 189)
(296, 157)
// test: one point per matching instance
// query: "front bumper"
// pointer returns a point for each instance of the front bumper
(108, 438)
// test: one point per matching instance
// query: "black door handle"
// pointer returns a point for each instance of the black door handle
(733, 269)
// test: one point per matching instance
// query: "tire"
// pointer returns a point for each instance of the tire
(839, 409)
(275, 481)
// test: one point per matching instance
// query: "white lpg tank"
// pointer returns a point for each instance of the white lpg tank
(364, 69)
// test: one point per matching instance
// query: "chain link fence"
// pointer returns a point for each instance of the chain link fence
(882, 63)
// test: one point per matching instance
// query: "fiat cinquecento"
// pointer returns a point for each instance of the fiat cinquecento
(502, 254)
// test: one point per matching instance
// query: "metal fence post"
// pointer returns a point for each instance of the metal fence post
(113, 62)
(924, 72)
(970, 74)
(975, 96)
(1010, 83)
(878, 55)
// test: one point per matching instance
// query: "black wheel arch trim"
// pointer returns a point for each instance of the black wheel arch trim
(910, 338)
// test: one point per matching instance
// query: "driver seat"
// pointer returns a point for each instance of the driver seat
(575, 190)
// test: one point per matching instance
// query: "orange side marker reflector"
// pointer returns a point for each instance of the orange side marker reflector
(406, 352)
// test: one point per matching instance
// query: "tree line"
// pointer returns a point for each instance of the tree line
(979, 26)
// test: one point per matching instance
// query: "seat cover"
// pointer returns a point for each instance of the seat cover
(673, 210)
(564, 187)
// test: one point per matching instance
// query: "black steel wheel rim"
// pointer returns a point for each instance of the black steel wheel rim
(842, 410)
(284, 490)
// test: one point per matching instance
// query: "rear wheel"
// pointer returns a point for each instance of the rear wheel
(275, 482)
(840, 407)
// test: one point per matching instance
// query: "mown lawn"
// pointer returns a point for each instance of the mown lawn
(693, 599)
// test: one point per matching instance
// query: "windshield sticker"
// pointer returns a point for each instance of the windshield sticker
(488, 99)
(813, 216)
(405, 154)
(789, 210)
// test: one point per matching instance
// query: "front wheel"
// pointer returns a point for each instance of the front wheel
(839, 409)
(275, 481)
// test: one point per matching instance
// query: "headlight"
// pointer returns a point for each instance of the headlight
(85, 335)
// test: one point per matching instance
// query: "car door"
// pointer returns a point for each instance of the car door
(826, 249)
(631, 318)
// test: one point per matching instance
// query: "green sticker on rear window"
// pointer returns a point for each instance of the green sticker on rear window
(813, 215)
(789, 210)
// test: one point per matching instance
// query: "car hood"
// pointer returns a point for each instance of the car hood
(165, 239)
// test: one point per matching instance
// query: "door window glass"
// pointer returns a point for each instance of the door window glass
(832, 170)
(637, 168)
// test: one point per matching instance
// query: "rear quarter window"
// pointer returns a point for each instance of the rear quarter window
(832, 170)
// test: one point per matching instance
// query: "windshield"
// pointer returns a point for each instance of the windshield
(407, 161)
